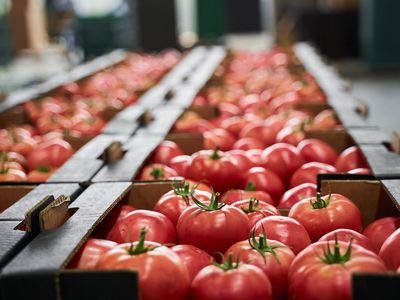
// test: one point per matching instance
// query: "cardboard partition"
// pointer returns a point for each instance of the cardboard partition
(76, 170)
(188, 142)
(313, 108)
(369, 136)
(96, 147)
(13, 116)
(207, 112)
(384, 164)
(339, 139)
(126, 122)
(164, 117)
(11, 194)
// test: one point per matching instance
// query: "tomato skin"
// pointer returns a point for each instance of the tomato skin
(351, 158)
(202, 228)
(157, 172)
(218, 137)
(346, 235)
(232, 196)
(260, 131)
(162, 275)
(379, 230)
(243, 161)
(360, 171)
(246, 282)
(159, 228)
(389, 251)
(309, 277)
(325, 119)
(308, 172)
(12, 175)
(264, 180)
(166, 151)
(318, 151)
(180, 164)
(290, 135)
(296, 194)
(90, 253)
(282, 159)
(193, 258)
(285, 230)
(263, 210)
(172, 205)
(340, 212)
(248, 143)
(275, 267)
(40, 175)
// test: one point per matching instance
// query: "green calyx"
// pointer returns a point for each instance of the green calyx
(140, 247)
(320, 202)
(215, 155)
(43, 169)
(228, 264)
(214, 204)
(157, 173)
(252, 207)
(183, 190)
(261, 245)
(250, 187)
(335, 257)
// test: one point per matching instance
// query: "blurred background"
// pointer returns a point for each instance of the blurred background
(39, 38)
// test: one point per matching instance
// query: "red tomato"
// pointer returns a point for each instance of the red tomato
(13, 156)
(232, 196)
(11, 165)
(234, 124)
(322, 214)
(193, 258)
(282, 159)
(255, 156)
(232, 281)
(215, 168)
(272, 257)
(41, 174)
(248, 143)
(350, 159)
(389, 251)
(285, 230)
(264, 180)
(296, 194)
(200, 225)
(174, 202)
(325, 119)
(347, 235)
(256, 209)
(159, 228)
(51, 153)
(360, 171)
(308, 172)
(318, 151)
(12, 175)
(88, 126)
(162, 274)
(157, 172)
(291, 135)
(180, 164)
(260, 131)
(243, 162)
(166, 151)
(90, 253)
(379, 230)
(218, 138)
(325, 270)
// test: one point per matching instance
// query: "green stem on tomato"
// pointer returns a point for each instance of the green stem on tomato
(215, 155)
(336, 257)
(214, 204)
(320, 202)
(261, 245)
(228, 264)
(250, 187)
(140, 247)
(157, 173)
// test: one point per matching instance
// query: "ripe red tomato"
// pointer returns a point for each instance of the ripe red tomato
(291, 135)
(41, 174)
(51, 153)
(248, 143)
(193, 258)
(174, 202)
(322, 214)
(308, 172)
(255, 156)
(157, 172)
(232, 196)
(90, 253)
(264, 180)
(389, 251)
(218, 138)
(127, 229)
(325, 119)
(243, 161)
(285, 230)
(88, 126)
(23, 145)
(14, 157)
(215, 168)
(234, 124)
(272, 257)
(180, 164)
(347, 235)
(165, 152)
(256, 209)
(296, 194)
(360, 171)
(282, 159)
(11, 165)
(260, 131)
(231, 281)
(379, 230)
(200, 225)
(162, 274)
(318, 151)
(12, 175)
(325, 270)
(350, 159)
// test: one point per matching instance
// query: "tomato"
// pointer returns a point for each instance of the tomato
(12, 175)
(248, 143)
(174, 202)
(88, 126)
(379, 230)
(232, 196)
(90, 253)
(180, 164)
(308, 172)
(24, 145)
(285, 230)
(347, 235)
(193, 258)
(157, 172)
(360, 171)
(218, 137)
(272, 257)
(318, 151)
(282, 159)
(296, 194)
(389, 251)
(166, 151)
(264, 180)
(350, 159)
(256, 209)
(191, 122)
(11, 165)
(159, 228)
(162, 274)
(243, 161)
(13, 156)
(200, 225)
(260, 131)
(234, 124)
(325, 119)
(215, 168)
(41, 174)
(325, 270)
(255, 156)
(232, 281)
(51, 153)
(291, 135)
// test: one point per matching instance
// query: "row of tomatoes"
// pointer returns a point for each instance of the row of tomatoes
(192, 244)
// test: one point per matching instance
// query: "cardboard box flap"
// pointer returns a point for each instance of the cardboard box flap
(77, 169)
(95, 147)
(153, 97)
(11, 194)
(184, 96)
(337, 138)
(131, 113)
(11, 240)
(122, 127)
(372, 286)
(383, 163)
(207, 112)
(368, 135)
(392, 186)
(164, 117)
(188, 142)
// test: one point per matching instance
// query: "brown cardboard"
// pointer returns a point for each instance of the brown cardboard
(339, 139)
(78, 142)
(12, 193)
(207, 112)
(188, 142)
(313, 108)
